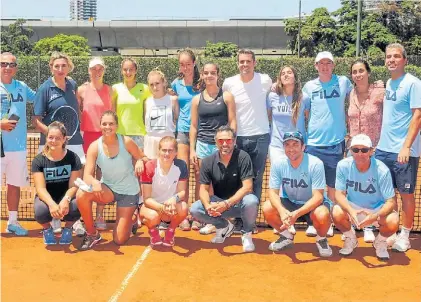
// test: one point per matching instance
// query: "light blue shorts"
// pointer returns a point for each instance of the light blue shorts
(203, 149)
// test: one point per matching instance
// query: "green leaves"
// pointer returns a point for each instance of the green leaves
(15, 39)
(72, 45)
(220, 50)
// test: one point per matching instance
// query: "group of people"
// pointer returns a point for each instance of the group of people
(136, 142)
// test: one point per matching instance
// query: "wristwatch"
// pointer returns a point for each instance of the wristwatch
(68, 198)
(177, 199)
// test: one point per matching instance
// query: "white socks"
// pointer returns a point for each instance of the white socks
(13, 217)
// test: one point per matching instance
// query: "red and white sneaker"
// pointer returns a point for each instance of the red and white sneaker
(169, 237)
(155, 237)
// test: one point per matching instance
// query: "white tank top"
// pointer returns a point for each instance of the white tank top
(159, 120)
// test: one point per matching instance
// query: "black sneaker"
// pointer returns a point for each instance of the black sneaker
(238, 225)
(135, 226)
(89, 241)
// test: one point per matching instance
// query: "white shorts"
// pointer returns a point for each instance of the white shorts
(275, 154)
(78, 149)
(14, 167)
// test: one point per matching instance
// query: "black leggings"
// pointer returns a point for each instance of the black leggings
(42, 212)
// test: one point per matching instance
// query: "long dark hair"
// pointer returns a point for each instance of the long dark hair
(196, 73)
(201, 84)
(297, 95)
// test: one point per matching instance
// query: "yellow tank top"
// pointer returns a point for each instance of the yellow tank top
(129, 108)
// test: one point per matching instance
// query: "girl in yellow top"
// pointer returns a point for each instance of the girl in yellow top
(128, 100)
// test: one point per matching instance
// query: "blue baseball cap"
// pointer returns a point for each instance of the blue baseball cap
(293, 135)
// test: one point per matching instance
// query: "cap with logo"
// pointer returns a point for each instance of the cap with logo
(361, 140)
(294, 135)
(324, 55)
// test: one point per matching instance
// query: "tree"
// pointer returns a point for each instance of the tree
(73, 45)
(220, 49)
(16, 39)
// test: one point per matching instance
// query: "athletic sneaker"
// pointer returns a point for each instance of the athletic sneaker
(238, 225)
(324, 248)
(16, 228)
(223, 233)
(281, 244)
(401, 244)
(291, 229)
(185, 225)
(369, 235)
(330, 231)
(66, 236)
(163, 225)
(135, 226)
(311, 231)
(208, 229)
(391, 240)
(155, 237)
(169, 237)
(381, 249)
(49, 238)
(247, 241)
(343, 236)
(89, 241)
(78, 228)
(56, 225)
(196, 225)
(100, 223)
(350, 243)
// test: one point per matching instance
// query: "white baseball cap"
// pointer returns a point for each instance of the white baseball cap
(361, 140)
(324, 55)
(96, 61)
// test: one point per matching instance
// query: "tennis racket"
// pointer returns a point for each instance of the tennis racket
(6, 103)
(69, 117)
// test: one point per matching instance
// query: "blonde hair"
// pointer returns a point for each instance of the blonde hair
(168, 139)
(159, 73)
(59, 55)
(62, 128)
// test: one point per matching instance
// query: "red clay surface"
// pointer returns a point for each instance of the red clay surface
(196, 270)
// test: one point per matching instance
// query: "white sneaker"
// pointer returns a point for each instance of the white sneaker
(401, 244)
(275, 231)
(311, 231)
(369, 235)
(330, 231)
(350, 244)
(292, 230)
(381, 249)
(56, 225)
(391, 240)
(324, 248)
(223, 233)
(343, 236)
(248, 245)
(207, 229)
(281, 244)
(78, 228)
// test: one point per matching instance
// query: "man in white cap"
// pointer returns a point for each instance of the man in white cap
(364, 196)
(326, 127)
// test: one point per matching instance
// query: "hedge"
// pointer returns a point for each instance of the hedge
(35, 70)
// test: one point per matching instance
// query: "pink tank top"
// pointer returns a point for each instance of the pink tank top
(95, 102)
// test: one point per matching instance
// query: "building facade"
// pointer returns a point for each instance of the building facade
(83, 10)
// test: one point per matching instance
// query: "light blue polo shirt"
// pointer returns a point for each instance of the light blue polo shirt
(49, 98)
(298, 184)
(368, 190)
(326, 126)
(20, 94)
(185, 96)
(402, 95)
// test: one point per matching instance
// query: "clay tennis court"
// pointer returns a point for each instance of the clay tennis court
(196, 270)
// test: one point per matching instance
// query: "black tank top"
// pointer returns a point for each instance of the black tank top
(212, 115)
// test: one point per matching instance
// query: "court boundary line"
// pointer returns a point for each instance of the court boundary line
(131, 273)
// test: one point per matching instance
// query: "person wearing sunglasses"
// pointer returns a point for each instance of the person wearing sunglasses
(296, 192)
(364, 196)
(14, 97)
(399, 145)
(230, 172)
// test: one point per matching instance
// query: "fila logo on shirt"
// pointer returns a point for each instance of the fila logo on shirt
(4, 97)
(56, 173)
(294, 183)
(323, 94)
(391, 95)
(359, 187)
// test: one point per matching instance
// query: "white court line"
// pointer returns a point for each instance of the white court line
(132, 272)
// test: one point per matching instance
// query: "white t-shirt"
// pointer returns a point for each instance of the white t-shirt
(159, 120)
(250, 102)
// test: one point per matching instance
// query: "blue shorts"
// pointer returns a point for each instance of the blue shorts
(330, 156)
(292, 206)
(404, 176)
(203, 149)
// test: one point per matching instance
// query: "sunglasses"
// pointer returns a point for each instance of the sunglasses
(225, 140)
(294, 134)
(363, 150)
(11, 64)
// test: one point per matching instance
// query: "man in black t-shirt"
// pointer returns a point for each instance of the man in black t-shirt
(230, 172)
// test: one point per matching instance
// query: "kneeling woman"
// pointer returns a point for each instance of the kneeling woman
(164, 185)
(114, 154)
(55, 169)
